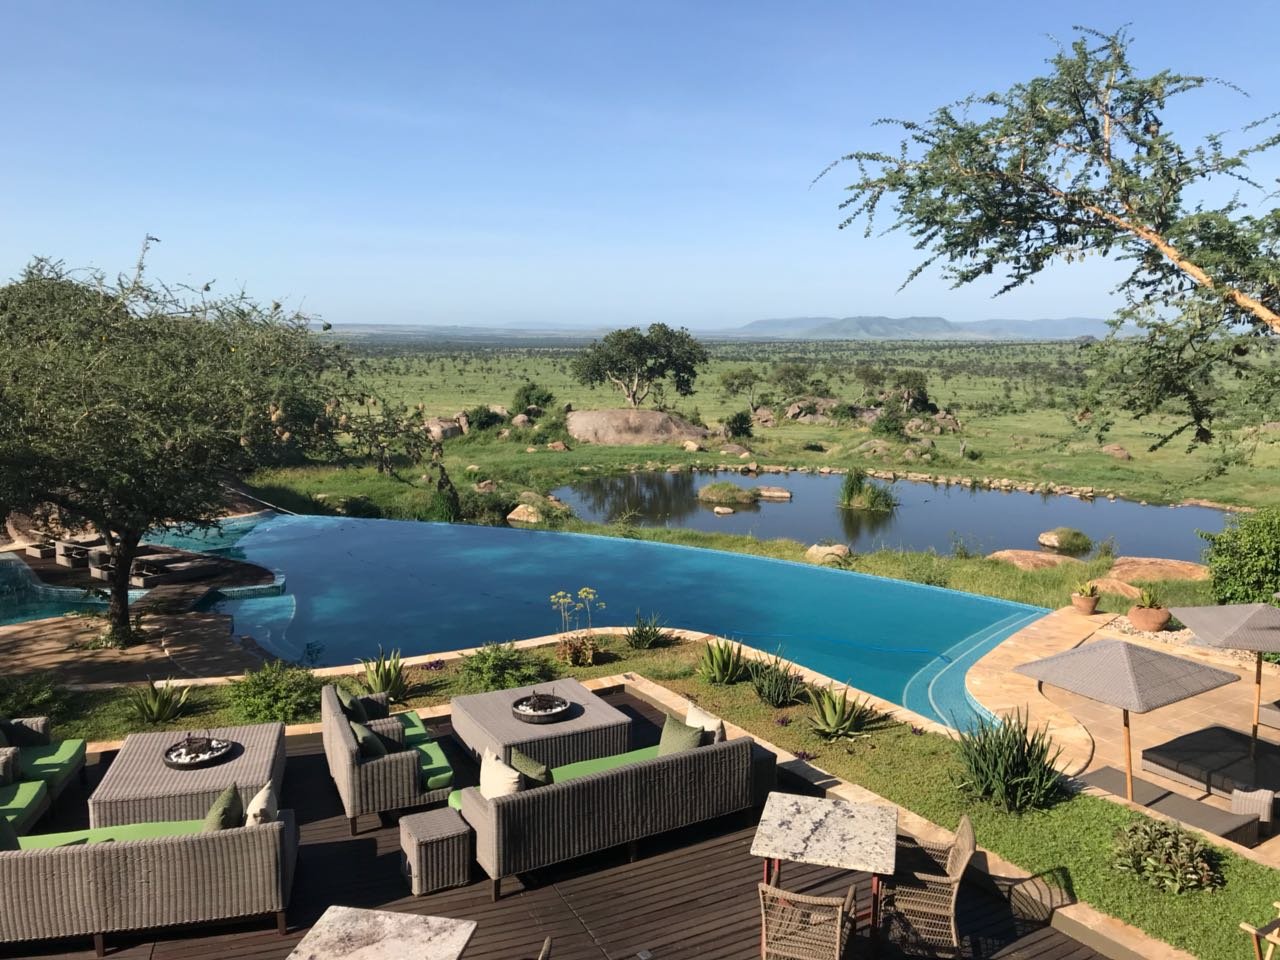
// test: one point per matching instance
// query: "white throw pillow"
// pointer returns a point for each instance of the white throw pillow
(697, 717)
(497, 779)
(263, 808)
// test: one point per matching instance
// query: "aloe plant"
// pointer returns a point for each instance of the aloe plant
(1149, 600)
(721, 663)
(834, 717)
(385, 674)
(776, 681)
(1086, 588)
(152, 704)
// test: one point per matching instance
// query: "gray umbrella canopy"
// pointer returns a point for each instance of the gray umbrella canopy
(1237, 626)
(1127, 676)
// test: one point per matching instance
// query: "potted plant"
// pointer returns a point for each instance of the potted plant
(1085, 598)
(1148, 614)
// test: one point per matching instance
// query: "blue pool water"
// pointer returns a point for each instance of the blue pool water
(353, 584)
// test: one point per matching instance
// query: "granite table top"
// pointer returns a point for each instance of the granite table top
(346, 933)
(828, 833)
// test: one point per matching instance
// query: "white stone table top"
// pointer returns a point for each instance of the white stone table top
(346, 933)
(828, 833)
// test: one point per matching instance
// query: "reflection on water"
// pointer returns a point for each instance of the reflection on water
(928, 517)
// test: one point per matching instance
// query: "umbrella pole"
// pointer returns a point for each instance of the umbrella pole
(1128, 759)
(1257, 704)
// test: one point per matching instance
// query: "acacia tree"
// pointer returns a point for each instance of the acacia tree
(635, 361)
(740, 381)
(126, 404)
(1080, 162)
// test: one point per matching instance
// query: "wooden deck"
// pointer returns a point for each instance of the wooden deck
(688, 895)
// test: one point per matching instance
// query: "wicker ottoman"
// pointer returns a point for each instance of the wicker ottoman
(437, 850)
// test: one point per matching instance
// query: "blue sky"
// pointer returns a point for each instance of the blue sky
(533, 163)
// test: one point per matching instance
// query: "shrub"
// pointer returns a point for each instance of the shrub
(33, 695)
(835, 718)
(725, 492)
(927, 568)
(844, 412)
(1166, 856)
(859, 493)
(814, 448)
(721, 663)
(889, 423)
(490, 509)
(647, 633)
(577, 649)
(1244, 559)
(776, 681)
(1072, 542)
(385, 674)
(530, 394)
(1010, 765)
(278, 692)
(152, 704)
(481, 418)
(738, 425)
(498, 666)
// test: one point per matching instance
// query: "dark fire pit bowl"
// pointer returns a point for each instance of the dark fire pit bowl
(194, 753)
(541, 708)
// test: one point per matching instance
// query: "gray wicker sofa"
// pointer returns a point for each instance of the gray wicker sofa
(546, 825)
(82, 885)
(407, 778)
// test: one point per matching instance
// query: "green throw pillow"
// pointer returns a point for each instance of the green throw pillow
(352, 706)
(538, 774)
(370, 744)
(8, 836)
(677, 736)
(227, 811)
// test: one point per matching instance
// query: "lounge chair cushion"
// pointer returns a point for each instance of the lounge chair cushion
(583, 768)
(53, 763)
(227, 811)
(436, 771)
(414, 729)
(536, 774)
(712, 726)
(126, 831)
(8, 836)
(370, 745)
(497, 778)
(21, 735)
(263, 808)
(678, 737)
(352, 706)
(17, 798)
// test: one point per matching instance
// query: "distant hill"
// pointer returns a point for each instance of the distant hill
(918, 328)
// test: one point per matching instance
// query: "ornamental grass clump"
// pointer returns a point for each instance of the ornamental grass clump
(647, 633)
(385, 674)
(721, 663)
(1009, 764)
(1166, 856)
(776, 681)
(835, 718)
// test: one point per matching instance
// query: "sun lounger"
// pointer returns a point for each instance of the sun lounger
(1217, 760)
(1239, 828)
(44, 550)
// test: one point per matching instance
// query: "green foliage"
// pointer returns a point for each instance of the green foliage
(385, 674)
(1244, 559)
(889, 423)
(277, 692)
(741, 381)
(500, 666)
(1149, 599)
(738, 425)
(845, 413)
(635, 362)
(31, 695)
(722, 663)
(481, 418)
(776, 682)
(1072, 542)
(926, 567)
(646, 633)
(835, 717)
(151, 704)
(722, 491)
(1009, 764)
(859, 493)
(1166, 856)
(1086, 589)
(577, 649)
(530, 394)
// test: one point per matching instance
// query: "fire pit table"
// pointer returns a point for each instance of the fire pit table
(143, 785)
(586, 728)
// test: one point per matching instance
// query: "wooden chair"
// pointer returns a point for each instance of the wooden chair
(798, 927)
(1268, 934)
(921, 903)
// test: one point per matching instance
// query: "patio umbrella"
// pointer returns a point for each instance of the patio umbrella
(1125, 675)
(1237, 626)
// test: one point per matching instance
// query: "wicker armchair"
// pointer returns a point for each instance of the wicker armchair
(798, 927)
(920, 904)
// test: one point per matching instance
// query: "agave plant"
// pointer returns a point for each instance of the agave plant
(153, 704)
(721, 663)
(834, 717)
(385, 674)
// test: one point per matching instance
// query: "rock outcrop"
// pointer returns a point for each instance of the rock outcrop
(631, 427)
(826, 553)
(1117, 451)
(1031, 559)
(774, 493)
(1130, 569)
(440, 429)
(524, 513)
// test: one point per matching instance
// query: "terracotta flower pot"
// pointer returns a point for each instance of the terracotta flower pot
(1085, 605)
(1149, 619)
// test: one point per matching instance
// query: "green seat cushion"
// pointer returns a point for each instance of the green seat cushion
(455, 800)
(582, 768)
(537, 774)
(370, 745)
(352, 706)
(17, 799)
(227, 811)
(415, 731)
(436, 771)
(678, 737)
(127, 831)
(53, 763)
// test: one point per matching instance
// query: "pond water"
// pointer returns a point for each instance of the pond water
(928, 516)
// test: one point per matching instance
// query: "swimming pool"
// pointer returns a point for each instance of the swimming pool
(424, 587)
